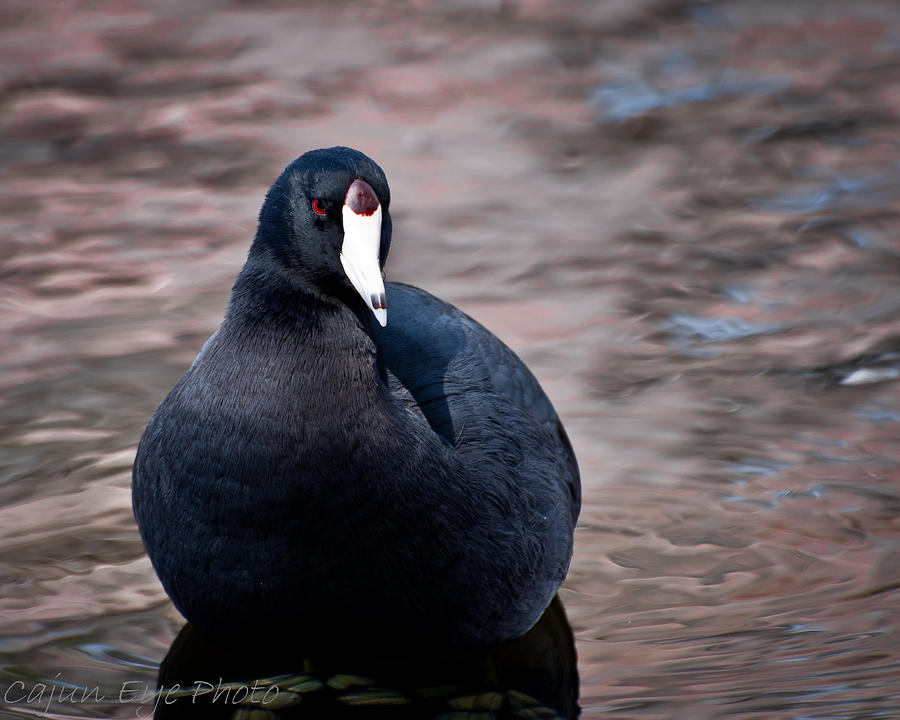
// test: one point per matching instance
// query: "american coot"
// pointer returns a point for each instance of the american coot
(346, 459)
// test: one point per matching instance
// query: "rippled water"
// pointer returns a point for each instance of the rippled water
(683, 216)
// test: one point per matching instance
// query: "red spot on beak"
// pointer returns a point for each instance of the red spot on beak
(361, 198)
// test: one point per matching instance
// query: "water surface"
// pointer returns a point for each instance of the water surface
(682, 216)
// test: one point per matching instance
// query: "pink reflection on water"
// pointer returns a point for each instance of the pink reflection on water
(660, 275)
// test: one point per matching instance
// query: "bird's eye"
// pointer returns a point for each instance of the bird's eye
(318, 208)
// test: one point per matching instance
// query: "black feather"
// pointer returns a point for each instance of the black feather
(345, 481)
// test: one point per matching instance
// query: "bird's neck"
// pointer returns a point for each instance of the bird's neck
(310, 344)
(269, 294)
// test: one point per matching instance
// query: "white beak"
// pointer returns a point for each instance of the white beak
(359, 257)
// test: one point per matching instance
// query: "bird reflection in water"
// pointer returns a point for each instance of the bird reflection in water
(534, 676)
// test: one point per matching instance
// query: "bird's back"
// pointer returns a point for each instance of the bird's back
(460, 376)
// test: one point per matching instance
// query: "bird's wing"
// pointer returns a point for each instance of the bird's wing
(447, 367)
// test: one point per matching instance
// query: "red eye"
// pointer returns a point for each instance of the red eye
(317, 207)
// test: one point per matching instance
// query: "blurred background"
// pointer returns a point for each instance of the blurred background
(682, 215)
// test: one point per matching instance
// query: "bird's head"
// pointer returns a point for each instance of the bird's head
(325, 221)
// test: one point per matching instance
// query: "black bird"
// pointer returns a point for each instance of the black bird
(319, 473)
